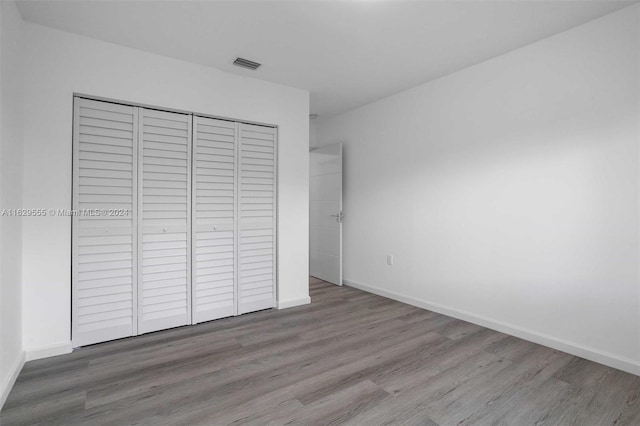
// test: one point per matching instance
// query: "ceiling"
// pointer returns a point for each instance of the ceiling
(346, 53)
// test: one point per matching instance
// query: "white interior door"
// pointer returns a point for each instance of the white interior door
(215, 144)
(104, 257)
(325, 221)
(164, 204)
(257, 218)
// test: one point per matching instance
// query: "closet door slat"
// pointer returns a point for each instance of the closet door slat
(164, 274)
(214, 222)
(257, 218)
(104, 269)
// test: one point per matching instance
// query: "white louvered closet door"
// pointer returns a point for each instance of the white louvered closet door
(257, 218)
(103, 251)
(164, 276)
(214, 227)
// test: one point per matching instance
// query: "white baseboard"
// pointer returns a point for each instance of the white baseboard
(8, 383)
(284, 304)
(601, 357)
(49, 350)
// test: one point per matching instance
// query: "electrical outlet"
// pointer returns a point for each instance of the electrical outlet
(390, 259)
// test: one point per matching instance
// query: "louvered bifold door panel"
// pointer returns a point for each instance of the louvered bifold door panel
(104, 233)
(164, 277)
(257, 218)
(214, 230)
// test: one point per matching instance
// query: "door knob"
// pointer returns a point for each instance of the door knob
(339, 216)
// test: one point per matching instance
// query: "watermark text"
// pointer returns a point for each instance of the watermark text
(66, 212)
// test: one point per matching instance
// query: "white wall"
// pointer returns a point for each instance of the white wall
(57, 64)
(11, 353)
(508, 192)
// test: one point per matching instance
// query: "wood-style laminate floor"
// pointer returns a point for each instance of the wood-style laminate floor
(349, 357)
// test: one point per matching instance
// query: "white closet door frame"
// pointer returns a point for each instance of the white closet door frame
(162, 323)
(246, 307)
(275, 216)
(209, 298)
(102, 334)
(137, 230)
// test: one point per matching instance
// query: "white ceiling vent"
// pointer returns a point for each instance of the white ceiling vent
(245, 63)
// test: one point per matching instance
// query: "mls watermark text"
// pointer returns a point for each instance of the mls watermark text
(66, 212)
